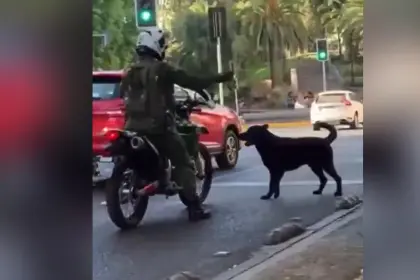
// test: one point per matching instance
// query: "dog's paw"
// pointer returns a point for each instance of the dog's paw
(265, 197)
(338, 194)
(276, 195)
(317, 192)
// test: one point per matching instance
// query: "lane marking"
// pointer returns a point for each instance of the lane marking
(286, 183)
(232, 174)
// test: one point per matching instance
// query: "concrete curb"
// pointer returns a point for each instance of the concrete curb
(282, 241)
(279, 124)
(271, 253)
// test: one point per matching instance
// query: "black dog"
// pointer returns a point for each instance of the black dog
(281, 154)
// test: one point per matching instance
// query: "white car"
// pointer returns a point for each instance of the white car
(337, 107)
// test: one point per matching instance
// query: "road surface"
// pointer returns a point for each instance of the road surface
(166, 243)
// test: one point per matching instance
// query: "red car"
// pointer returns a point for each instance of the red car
(223, 123)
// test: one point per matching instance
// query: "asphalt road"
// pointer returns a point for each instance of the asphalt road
(166, 243)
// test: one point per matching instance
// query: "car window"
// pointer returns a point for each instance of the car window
(105, 87)
(330, 98)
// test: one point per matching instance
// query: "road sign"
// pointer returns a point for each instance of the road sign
(217, 23)
(145, 13)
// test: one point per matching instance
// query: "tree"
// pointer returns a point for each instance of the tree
(276, 25)
(346, 17)
(115, 18)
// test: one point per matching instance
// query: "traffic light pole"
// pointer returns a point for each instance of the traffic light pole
(219, 69)
(235, 90)
(324, 77)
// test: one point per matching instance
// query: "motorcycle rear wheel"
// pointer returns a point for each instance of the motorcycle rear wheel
(204, 189)
(117, 192)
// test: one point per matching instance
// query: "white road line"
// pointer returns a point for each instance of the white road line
(290, 183)
(282, 184)
(235, 173)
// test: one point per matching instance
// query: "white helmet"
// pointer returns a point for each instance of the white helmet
(154, 39)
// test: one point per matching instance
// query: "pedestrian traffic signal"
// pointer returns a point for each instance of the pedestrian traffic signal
(321, 49)
(145, 12)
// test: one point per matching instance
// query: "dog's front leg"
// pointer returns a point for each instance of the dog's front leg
(274, 188)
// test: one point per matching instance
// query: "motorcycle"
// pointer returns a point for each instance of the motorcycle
(138, 167)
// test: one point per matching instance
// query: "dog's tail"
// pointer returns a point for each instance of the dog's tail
(333, 131)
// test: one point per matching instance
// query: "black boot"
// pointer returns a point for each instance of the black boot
(197, 213)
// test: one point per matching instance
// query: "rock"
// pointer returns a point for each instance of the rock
(221, 254)
(347, 202)
(284, 233)
(185, 275)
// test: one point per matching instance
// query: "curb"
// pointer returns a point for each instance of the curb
(279, 124)
(270, 253)
(288, 236)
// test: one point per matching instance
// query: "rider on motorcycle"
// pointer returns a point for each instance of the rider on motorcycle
(148, 91)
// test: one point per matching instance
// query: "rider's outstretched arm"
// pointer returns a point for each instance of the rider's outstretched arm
(181, 78)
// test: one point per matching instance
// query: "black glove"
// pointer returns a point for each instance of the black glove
(226, 77)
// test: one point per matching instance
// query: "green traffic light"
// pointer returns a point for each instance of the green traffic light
(322, 55)
(145, 15)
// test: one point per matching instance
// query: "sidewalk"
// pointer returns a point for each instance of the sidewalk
(336, 256)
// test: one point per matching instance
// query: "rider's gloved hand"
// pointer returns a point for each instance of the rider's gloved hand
(227, 76)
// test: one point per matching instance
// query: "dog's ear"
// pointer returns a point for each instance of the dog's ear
(265, 126)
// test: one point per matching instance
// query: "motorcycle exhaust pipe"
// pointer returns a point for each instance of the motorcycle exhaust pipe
(136, 143)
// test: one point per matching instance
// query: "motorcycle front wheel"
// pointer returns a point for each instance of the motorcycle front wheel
(119, 192)
(204, 176)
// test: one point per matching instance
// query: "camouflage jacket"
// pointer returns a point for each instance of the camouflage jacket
(148, 92)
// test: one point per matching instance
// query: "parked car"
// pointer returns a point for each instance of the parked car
(337, 107)
(222, 122)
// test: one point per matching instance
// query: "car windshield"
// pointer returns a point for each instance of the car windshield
(330, 98)
(105, 87)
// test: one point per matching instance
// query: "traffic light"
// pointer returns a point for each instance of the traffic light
(145, 13)
(321, 49)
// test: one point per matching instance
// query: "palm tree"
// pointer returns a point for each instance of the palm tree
(276, 25)
(346, 17)
(190, 31)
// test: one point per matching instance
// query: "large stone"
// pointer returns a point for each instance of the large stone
(185, 275)
(347, 202)
(284, 233)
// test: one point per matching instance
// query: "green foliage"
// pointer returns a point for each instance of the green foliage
(115, 18)
(266, 37)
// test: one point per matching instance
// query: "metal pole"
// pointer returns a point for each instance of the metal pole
(324, 77)
(236, 97)
(219, 69)
(235, 89)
